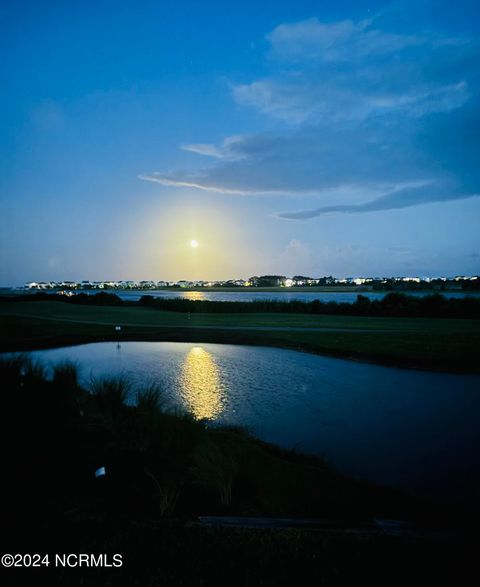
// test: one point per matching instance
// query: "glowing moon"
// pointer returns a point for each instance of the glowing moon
(194, 244)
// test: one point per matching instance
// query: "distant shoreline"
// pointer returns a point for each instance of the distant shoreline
(284, 290)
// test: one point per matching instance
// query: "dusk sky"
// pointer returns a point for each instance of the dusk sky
(290, 137)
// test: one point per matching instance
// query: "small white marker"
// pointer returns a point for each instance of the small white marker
(118, 328)
(100, 472)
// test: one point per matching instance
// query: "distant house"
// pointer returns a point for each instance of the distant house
(410, 279)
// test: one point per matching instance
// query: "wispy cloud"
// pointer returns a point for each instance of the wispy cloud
(229, 150)
(339, 41)
(393, 201)
(367, 118)
(351, 71)
(190, 182)
(204, 149)
(306, 100)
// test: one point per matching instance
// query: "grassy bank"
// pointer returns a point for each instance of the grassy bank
(165, 469)
(423, 343)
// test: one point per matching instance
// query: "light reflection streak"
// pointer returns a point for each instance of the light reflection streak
(194, 295)
(200, 383)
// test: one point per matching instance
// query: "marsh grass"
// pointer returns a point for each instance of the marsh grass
(167, 488)
(65, 374)
(216, 465)
(110, 395)
(110, 391)
(150, 399)
(34, 369)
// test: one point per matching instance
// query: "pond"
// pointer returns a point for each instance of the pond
(417, 430)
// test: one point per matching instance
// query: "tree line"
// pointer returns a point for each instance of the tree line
(392, 304)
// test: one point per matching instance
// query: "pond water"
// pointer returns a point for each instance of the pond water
(283, 296)
(251, 295)
(418, 430)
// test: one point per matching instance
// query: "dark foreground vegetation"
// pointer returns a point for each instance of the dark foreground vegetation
(165, 469)
(391, 305)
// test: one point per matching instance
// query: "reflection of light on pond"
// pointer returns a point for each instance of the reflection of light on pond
(194, 295)
(200, 384)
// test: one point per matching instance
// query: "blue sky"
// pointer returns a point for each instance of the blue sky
(286, 137)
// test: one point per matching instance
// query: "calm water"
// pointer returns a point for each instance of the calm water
(251, 295)
(408, 428)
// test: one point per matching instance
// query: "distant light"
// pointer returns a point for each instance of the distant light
(100, 472)
(194, 244)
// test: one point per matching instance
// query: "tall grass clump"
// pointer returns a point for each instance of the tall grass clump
(12, 369)
(33, 369)
(65, 384)
(150, 399)
(110, 395)
(216, 466)
(167, 488)
(23, 380)
(65, 374)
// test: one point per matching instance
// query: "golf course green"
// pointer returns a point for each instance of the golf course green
(439, 344)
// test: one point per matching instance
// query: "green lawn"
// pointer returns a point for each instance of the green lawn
(152, 317)
(437, 344)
